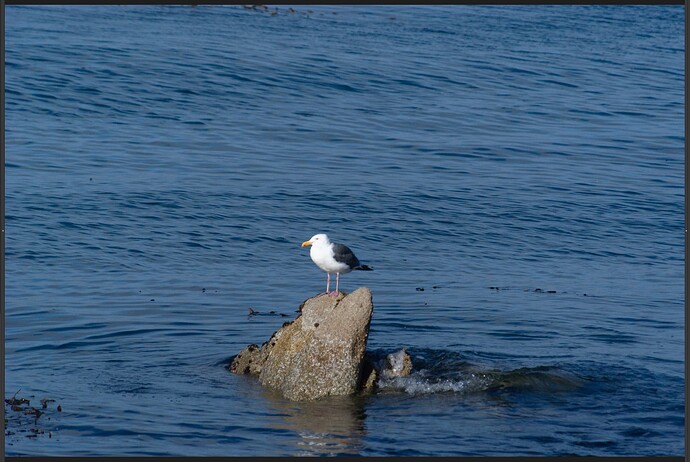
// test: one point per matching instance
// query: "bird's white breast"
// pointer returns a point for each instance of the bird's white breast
(323, 257)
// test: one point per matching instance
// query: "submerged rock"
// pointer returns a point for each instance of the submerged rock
(320, 353)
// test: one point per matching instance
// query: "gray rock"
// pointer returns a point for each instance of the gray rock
(371, 375)
(376, 367)
(398, 364)
(318, 354)
(247, 361)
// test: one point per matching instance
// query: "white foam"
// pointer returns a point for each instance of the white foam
(417, 384)
(396, 360)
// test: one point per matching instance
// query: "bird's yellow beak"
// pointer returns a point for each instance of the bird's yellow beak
(306, 243)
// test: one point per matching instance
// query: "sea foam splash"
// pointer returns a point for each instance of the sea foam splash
(439, 371)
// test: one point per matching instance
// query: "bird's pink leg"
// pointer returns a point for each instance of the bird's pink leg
(337, 284)
(328, 285)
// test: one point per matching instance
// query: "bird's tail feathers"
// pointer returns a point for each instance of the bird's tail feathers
(364, 268)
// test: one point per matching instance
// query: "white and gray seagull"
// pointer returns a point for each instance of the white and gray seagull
(333, 258)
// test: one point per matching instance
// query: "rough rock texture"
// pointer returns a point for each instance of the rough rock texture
(318, 354)
(247, 361)
(371, 375)
(398, 364)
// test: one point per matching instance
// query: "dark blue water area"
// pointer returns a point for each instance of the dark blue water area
(514, 175)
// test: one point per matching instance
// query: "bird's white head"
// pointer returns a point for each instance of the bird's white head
(317, 240)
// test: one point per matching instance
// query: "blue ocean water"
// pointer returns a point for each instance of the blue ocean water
(513, 174)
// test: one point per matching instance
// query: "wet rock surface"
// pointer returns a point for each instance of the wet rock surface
(386, 366)
(398, 364)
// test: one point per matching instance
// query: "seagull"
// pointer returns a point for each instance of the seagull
(332, 258)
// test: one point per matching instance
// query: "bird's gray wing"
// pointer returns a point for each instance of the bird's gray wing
(343, 254)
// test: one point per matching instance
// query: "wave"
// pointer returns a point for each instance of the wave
(441, 371)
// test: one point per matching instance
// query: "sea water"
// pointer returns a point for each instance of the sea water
(513, 174)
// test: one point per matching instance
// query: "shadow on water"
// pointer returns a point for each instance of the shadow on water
(332, 426)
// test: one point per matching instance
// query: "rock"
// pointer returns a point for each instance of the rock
(318, 354)
(398, 364)
(377, 367)
(252, 358)
(372, 377)
(247, 361)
